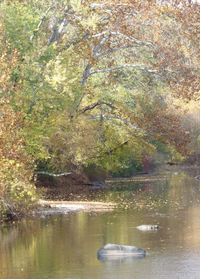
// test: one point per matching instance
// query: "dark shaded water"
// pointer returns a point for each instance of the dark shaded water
(64, 247)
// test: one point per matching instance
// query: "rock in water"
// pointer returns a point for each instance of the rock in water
(148, 227)
(119, 251)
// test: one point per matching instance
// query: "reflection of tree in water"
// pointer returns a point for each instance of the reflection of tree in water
(183, 190)
(175, 191)
(139, 195)
(68, 244)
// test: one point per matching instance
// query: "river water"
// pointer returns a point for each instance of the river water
(65, 246)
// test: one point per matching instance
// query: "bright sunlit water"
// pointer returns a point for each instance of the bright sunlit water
(64, 247)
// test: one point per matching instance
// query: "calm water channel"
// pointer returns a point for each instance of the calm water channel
(64, 247)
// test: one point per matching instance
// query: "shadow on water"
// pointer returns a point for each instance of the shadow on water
(65, 247)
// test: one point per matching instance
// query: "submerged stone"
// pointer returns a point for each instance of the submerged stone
(110, 251)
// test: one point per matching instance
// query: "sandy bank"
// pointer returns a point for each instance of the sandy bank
(63, 207)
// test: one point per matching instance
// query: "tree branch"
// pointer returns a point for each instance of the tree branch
(57, 31)
(59, 26)
(120, 145)
(40, 23)
(132, 39)
(136, 66)
(98, 47)
(76, 41)
(96, 104)
(86, 74)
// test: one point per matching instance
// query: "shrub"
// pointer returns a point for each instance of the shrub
(17, 194)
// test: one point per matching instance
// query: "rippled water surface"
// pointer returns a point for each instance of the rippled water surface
(64, 247)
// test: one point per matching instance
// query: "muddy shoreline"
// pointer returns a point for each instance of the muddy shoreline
(47, 207)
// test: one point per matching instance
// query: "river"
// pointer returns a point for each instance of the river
(65, 246)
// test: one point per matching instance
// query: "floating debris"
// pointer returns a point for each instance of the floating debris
(148, 227)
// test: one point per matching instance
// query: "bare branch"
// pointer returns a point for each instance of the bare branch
(96, 104)
(98, 47)
(116, 68)
(57, 31)
(134, 42)
(132, 39)
(99, 34)
(60, 24)
(115, 49)
(86, 74)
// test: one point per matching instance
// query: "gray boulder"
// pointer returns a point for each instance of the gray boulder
(110, 251)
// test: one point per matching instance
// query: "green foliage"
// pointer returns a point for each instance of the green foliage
(17, 195)
(92, 89)
(20, 20)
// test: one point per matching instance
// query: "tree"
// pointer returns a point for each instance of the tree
(17, 194)
(109, 68)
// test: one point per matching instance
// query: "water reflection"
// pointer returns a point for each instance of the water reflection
(64, 247)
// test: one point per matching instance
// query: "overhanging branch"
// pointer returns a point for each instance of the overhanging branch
(94, 105)
(135, 66)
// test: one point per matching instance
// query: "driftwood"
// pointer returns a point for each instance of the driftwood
(53, 174)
